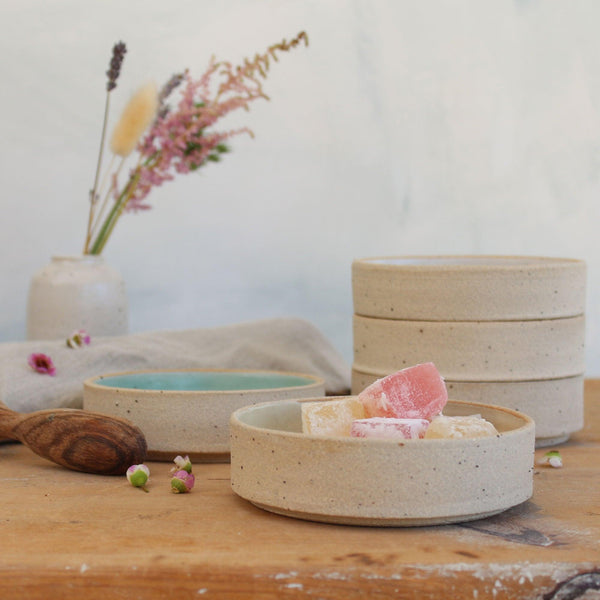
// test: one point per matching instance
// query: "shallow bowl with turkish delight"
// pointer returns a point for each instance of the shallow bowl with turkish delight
(406, 478)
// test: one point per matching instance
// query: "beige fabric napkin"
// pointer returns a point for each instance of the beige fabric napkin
(283, 344)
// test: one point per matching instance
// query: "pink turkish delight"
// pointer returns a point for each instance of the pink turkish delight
(417, 392)
(389, 428)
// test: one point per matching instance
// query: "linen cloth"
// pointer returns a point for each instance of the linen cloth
(281, 344)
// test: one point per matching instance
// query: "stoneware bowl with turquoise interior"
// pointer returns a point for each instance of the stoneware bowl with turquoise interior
(187, 411)
(380, 482)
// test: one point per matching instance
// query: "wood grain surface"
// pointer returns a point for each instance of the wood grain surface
(65, 534)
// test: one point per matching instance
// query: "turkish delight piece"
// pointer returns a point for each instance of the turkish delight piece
(331, 417)
(472, 426)
(417, 392)
(389, 428)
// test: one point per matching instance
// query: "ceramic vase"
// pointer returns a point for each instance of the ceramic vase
(76, 292)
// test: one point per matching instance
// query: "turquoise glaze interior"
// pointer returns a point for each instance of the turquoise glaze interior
(203, 381)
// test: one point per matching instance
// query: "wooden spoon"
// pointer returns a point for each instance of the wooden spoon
(77, 439)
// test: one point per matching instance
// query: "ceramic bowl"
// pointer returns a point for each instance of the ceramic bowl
(379, 482)
(187, 411)
(556, 405)
(473, 351)
(468, 288)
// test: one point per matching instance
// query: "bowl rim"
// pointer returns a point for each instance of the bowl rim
(470, 262)
(527, 424)
(91, 382)
(548, 380)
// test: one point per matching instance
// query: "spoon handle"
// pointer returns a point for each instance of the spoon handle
(8, 419)
(77, 439)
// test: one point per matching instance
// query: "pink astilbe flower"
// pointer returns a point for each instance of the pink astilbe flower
(182, 139)
(41, 363)
(179, 142)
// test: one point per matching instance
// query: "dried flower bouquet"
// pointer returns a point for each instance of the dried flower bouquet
(170, 140)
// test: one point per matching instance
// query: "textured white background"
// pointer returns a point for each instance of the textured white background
(439, 126)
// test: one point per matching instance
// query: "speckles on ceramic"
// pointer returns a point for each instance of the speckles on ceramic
(468, 288)
(473, 351)
(187, 411)
(379, 482)
(77, 292)
(556, 405)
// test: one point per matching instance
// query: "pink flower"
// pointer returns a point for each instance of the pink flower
(182, 482)
(182, 464)
(41, 363)
(182, 139)
(138, 475)
(79, 339)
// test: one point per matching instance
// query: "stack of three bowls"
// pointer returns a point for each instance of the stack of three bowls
(504, 330)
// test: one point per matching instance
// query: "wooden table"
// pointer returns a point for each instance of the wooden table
(71, 535)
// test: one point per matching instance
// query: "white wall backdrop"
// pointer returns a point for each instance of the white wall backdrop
(439, 126)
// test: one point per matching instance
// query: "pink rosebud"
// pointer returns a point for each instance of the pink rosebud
(182, 482)
(138, 475)
(41, 363)
(182, 464)
(78, 339)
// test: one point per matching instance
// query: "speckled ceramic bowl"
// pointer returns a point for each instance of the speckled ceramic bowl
(187, 411)
(380, 482)
(507, 329)
(468, 288)
(473, 350)
(556, 405)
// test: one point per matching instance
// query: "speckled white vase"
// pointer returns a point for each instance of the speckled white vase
(76, 292)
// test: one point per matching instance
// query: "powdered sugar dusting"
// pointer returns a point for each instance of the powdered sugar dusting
(487, 580)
